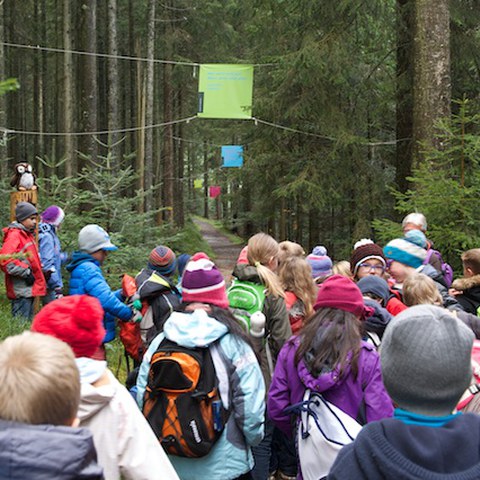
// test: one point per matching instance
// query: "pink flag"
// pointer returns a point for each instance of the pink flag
(215, 191)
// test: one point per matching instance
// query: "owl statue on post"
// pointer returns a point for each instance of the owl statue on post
(23, 178)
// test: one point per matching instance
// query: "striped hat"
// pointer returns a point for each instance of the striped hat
(406, 251)
(162, 260)
(320, 262)
(202, 282)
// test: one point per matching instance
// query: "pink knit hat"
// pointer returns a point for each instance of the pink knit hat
(340, 292)
(76, 320)
(203, 282)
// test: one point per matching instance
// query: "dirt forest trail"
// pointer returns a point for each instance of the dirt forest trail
(226, 252)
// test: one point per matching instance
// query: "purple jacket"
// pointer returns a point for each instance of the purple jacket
(289, 383)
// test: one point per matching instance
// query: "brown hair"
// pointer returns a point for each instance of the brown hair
(471, 260)
(420, 289)
(296, 276)
(289, 249)
(262, 248)
(330, 339)
(39, 380)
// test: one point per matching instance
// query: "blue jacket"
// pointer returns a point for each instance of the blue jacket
(240, 383)
(391, 448)
(50, 254)
(45, 452)
(87, 278)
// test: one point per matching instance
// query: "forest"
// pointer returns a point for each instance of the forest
(362, 111)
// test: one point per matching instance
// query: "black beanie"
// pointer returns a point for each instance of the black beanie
(24, 210)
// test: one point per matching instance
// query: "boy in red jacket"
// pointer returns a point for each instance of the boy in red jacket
(24, 278)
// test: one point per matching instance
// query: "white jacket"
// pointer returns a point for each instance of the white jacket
(126, 446)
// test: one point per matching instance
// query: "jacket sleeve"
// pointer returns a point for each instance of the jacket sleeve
(279, 393)
(47, 256)
(378, 404)
(13, 266)
(96, 286)
(247, 389)
(278, 324)
(141, 456)
(142, 378)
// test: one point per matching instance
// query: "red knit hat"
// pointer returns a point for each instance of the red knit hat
(340, 292)
(76, 320)
(203, 282)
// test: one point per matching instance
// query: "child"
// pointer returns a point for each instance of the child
(300, 290)
(321, 264)
(467, 289)
(126, 446)
(24, 279)
(425, 439)
(342, 268)
(39, 394)
(329, 356)
(86, 277)
(50, 251)
(154, 285)
(289, 249)
(204, 321)
(368, 261)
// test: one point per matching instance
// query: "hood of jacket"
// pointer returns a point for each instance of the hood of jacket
(433, 273)
(46, 451)
(46, 228)
(246, 273)
(393, 449)
(378, 320)
(14, 226)
(466, 283)
(150, 283)
(195, 329)
(78, 258)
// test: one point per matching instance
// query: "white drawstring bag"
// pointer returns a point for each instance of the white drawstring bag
(323, 430)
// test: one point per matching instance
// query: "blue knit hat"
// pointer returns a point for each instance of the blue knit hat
(320, 262)
(406, 251)
(376, 285)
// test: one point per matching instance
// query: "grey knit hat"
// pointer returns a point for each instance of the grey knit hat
(425, 357)
(24, 210)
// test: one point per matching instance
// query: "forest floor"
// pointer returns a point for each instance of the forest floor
(226, 251)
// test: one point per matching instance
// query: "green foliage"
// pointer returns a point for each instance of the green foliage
(446, 188)
(9, 85)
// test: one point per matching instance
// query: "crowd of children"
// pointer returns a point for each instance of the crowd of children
(385, 337)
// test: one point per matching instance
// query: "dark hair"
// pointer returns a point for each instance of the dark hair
(330, 339)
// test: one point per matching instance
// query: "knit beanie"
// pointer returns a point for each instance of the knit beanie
(417, 237)
(320, 262)
(365, 250)
(76, 320)
(376, 285)
(23, 210)
(203, 282)
(406, 250)
(162, 260)
(182, 261)
(425, 359)
(340, 292)
(53, 215)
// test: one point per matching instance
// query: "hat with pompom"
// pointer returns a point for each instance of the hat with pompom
(320, 262)
(203, 282)
(53, 215)
(364, 250)
(77, 320)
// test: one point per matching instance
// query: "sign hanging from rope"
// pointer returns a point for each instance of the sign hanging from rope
(232, 156)
(225, 91)
(214, 191)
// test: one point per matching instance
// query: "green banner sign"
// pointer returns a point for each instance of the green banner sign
(225, 91)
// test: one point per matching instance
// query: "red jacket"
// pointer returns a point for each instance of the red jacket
(16, 239)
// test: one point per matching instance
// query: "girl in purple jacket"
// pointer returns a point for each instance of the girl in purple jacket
(329, 356)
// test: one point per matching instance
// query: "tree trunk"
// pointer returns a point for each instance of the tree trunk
(68, 91)
(404, 93)
(113, 99)
(205, 179)
(178, 209)
(88, 82)
(140, 142)
(168, 167)
(149, 105)
(3, 103)
(431, 78)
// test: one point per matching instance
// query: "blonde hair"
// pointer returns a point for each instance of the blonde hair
(262, 248)
(342, 268)
(471, 260)
(296, 276)
(289, 249)
(39, 380)
(420, 289)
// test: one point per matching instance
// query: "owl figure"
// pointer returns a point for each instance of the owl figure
(24, 178)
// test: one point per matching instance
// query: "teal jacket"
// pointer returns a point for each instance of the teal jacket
(241, 387)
